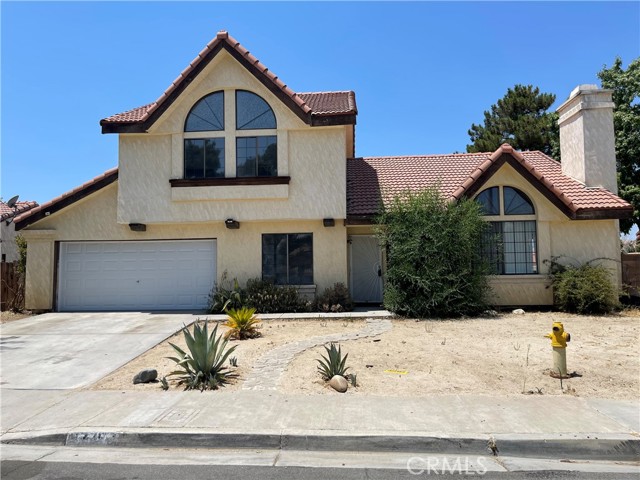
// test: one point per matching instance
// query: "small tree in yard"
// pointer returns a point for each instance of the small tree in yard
(433, 260)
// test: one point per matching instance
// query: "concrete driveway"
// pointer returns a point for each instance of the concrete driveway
(60, 351)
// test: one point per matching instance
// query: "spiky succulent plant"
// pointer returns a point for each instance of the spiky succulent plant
(333, 363)
(204, 367)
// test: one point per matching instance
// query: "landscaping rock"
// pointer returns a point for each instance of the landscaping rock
(339, 383)
(145, 376)
(518, 311)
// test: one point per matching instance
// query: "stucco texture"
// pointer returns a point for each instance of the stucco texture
(239, 252)
(314, 158)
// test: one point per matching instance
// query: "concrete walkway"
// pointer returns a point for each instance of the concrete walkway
(541, 427)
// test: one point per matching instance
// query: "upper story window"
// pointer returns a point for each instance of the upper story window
(207, 114)
(252, 112)
(205, 139)
(509, 245)
(204, 154)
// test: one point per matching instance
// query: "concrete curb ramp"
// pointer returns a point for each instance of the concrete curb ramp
(611, 447)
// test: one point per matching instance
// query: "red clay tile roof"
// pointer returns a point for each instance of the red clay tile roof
(6, 212)
(131, 116)
(330, 103)
(373, 180)
(306, 106)
(58, 203)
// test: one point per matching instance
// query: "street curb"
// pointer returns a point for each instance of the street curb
(612, 447)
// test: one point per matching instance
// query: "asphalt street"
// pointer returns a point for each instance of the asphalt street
(18, 470)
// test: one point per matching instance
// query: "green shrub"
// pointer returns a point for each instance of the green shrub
(434, 268)
(266, 297)
(333, 364)
(583, 288)
(242, 323)
(204, 366)
(335, 299)
(225, 295)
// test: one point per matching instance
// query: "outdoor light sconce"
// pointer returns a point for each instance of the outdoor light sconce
(138, 227)
(328, 222)
(232, 224)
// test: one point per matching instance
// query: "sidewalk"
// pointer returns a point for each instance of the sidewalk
(525, 426)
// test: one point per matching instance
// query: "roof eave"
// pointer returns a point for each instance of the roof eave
(604, 213)
(42, 211)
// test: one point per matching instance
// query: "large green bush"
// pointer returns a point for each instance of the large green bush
(582, 288)
(434, 267)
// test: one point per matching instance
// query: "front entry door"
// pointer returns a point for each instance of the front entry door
(366, 269)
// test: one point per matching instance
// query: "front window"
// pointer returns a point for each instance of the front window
(509, 245)
(252, 112)
(204, 145)
(287, 259)
(204, 158)
(256, 156)
(207, 114)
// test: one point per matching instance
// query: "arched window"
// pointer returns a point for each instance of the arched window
(256, 156)
(509, 246)
(207, 114)
(204, 147)
(252, 112)
(489, 201)
(516, 202)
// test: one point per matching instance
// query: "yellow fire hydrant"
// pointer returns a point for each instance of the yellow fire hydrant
(559, 339)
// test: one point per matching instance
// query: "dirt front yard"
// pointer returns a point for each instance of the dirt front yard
(502, 355)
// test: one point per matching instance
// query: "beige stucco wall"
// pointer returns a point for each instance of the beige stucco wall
(314, 158)
(587, 139)
(239, 251)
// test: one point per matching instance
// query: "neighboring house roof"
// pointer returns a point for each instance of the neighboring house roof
(319, 108)
(66, 199)
(7, 212)
(374, 181)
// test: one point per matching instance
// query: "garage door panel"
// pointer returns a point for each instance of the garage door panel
(136, 275)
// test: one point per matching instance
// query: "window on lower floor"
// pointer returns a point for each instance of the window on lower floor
(287, 259)
(204, 158)
(511, 247)
(257, 156)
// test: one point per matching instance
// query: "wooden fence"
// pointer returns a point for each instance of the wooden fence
(11, 287)
(631, 273)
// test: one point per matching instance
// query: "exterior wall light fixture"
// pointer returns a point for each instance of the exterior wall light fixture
(232, 224)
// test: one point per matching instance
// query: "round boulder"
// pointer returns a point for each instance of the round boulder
(339, 383)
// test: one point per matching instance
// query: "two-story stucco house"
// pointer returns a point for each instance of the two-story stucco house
(231, 170)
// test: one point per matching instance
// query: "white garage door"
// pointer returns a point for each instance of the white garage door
(150, 275)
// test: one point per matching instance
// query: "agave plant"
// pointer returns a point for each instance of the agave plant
(334, 363)
(242, 323)
(204, 367)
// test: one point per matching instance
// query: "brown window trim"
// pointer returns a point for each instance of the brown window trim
(232, 181)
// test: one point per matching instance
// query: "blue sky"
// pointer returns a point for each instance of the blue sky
(422, 72)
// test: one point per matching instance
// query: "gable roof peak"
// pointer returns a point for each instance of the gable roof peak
(505, 148)
(140, 119)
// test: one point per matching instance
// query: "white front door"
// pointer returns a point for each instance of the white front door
(136, 275)
(366, 269)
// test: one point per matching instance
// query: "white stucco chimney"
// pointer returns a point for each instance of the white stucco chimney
(587, 142)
